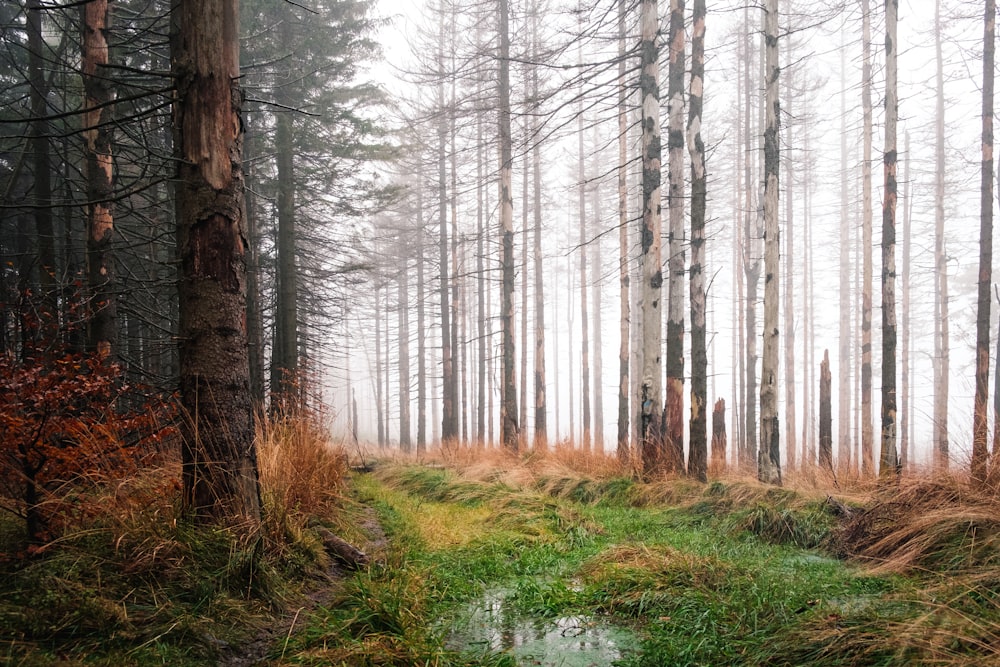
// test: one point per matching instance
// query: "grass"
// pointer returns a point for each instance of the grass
(731, 572)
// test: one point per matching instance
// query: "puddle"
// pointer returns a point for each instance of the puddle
(568, 641)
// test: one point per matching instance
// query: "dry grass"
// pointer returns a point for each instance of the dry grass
(300, 467)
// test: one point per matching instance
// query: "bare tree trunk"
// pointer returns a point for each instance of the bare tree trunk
(541, 405)
(482, 380)
(595, 311)
(979, 425)
(719, 436)
(218, 452)
(99, 173)
(904, 337)
(698, 445)
(751, 268)
(404, 355)
(673, 436)
(380, 416)
(941, 323)
(41, 172)
(825, 414)
(624, 310)
(867, 436)
(649, 409)
(582, 248)
(449, 430)
(769, 468)
(508, 401)
(844, 360)
(889, 456)
(522, 417)
(789, 300)
(421, 326)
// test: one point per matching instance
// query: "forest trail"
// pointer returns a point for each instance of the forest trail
(566, 570)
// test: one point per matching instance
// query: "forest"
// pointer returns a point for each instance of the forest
(360, 332)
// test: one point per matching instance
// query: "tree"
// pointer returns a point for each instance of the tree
(825, 414)
(650, 389)
(698, 445)
(867, 447)
(769, 461)
(98, 169)
(941, 325)
(218, 453)
(508, 400)
(889, 457)
(979, 426)
(673, 435)
(624, 293)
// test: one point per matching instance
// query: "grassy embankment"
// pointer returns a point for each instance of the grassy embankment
(725, 573)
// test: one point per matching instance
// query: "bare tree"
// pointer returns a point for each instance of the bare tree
(769, 462)
(867, 446)
(508, 401)
(979, 425)
(889, 456)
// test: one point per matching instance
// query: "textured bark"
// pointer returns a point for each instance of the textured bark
(508, 386)
(889, 456)
(769, 461)
(825, 414)
(218, 452)
(624, 305)
(673, 435)
(541, 404)
(979, 425)
(867, 436)
(648, 411)
(98, 168)
(751, 270)
(698, 444)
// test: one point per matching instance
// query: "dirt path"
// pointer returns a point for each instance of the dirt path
(320, 592)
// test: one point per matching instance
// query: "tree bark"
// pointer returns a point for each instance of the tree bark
(769, 462)
(889, 457)
(98, 168)
(218, 452)
(673, 436)
(649, 409)
(941, 324)
(825, 414)
(404, 354)
(449, 430)
(541, 405)
(867, 436)
(844, 354)
(508, 400)
(624, 294)
(698, 445)
(904, 337)
(979, 425)
(719, 436)
(789, 296)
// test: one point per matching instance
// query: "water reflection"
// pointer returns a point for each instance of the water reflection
(569, 641)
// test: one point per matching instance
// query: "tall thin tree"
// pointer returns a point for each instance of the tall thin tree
(508, 400)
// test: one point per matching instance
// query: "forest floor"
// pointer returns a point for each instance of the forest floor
(524, 561)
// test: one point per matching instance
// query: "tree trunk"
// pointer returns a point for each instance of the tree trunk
(889, 457)
(404, 355)
(904, 337)
(380, 416)
(769, 463)
(698, 446)
(825, 414)
(979, 425)
(218, 451)
(448, 419)
(789, 300)
(649, 409)
(597, 393)
(867, 436)
(508, 400)
(285, 352)
(844, 354)
(624, 309)
(719, 436)
(673, 436)
(42, 174)
(99, 173)
(582, 248)
(751, 269)
(541, 407)
(421, 326)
